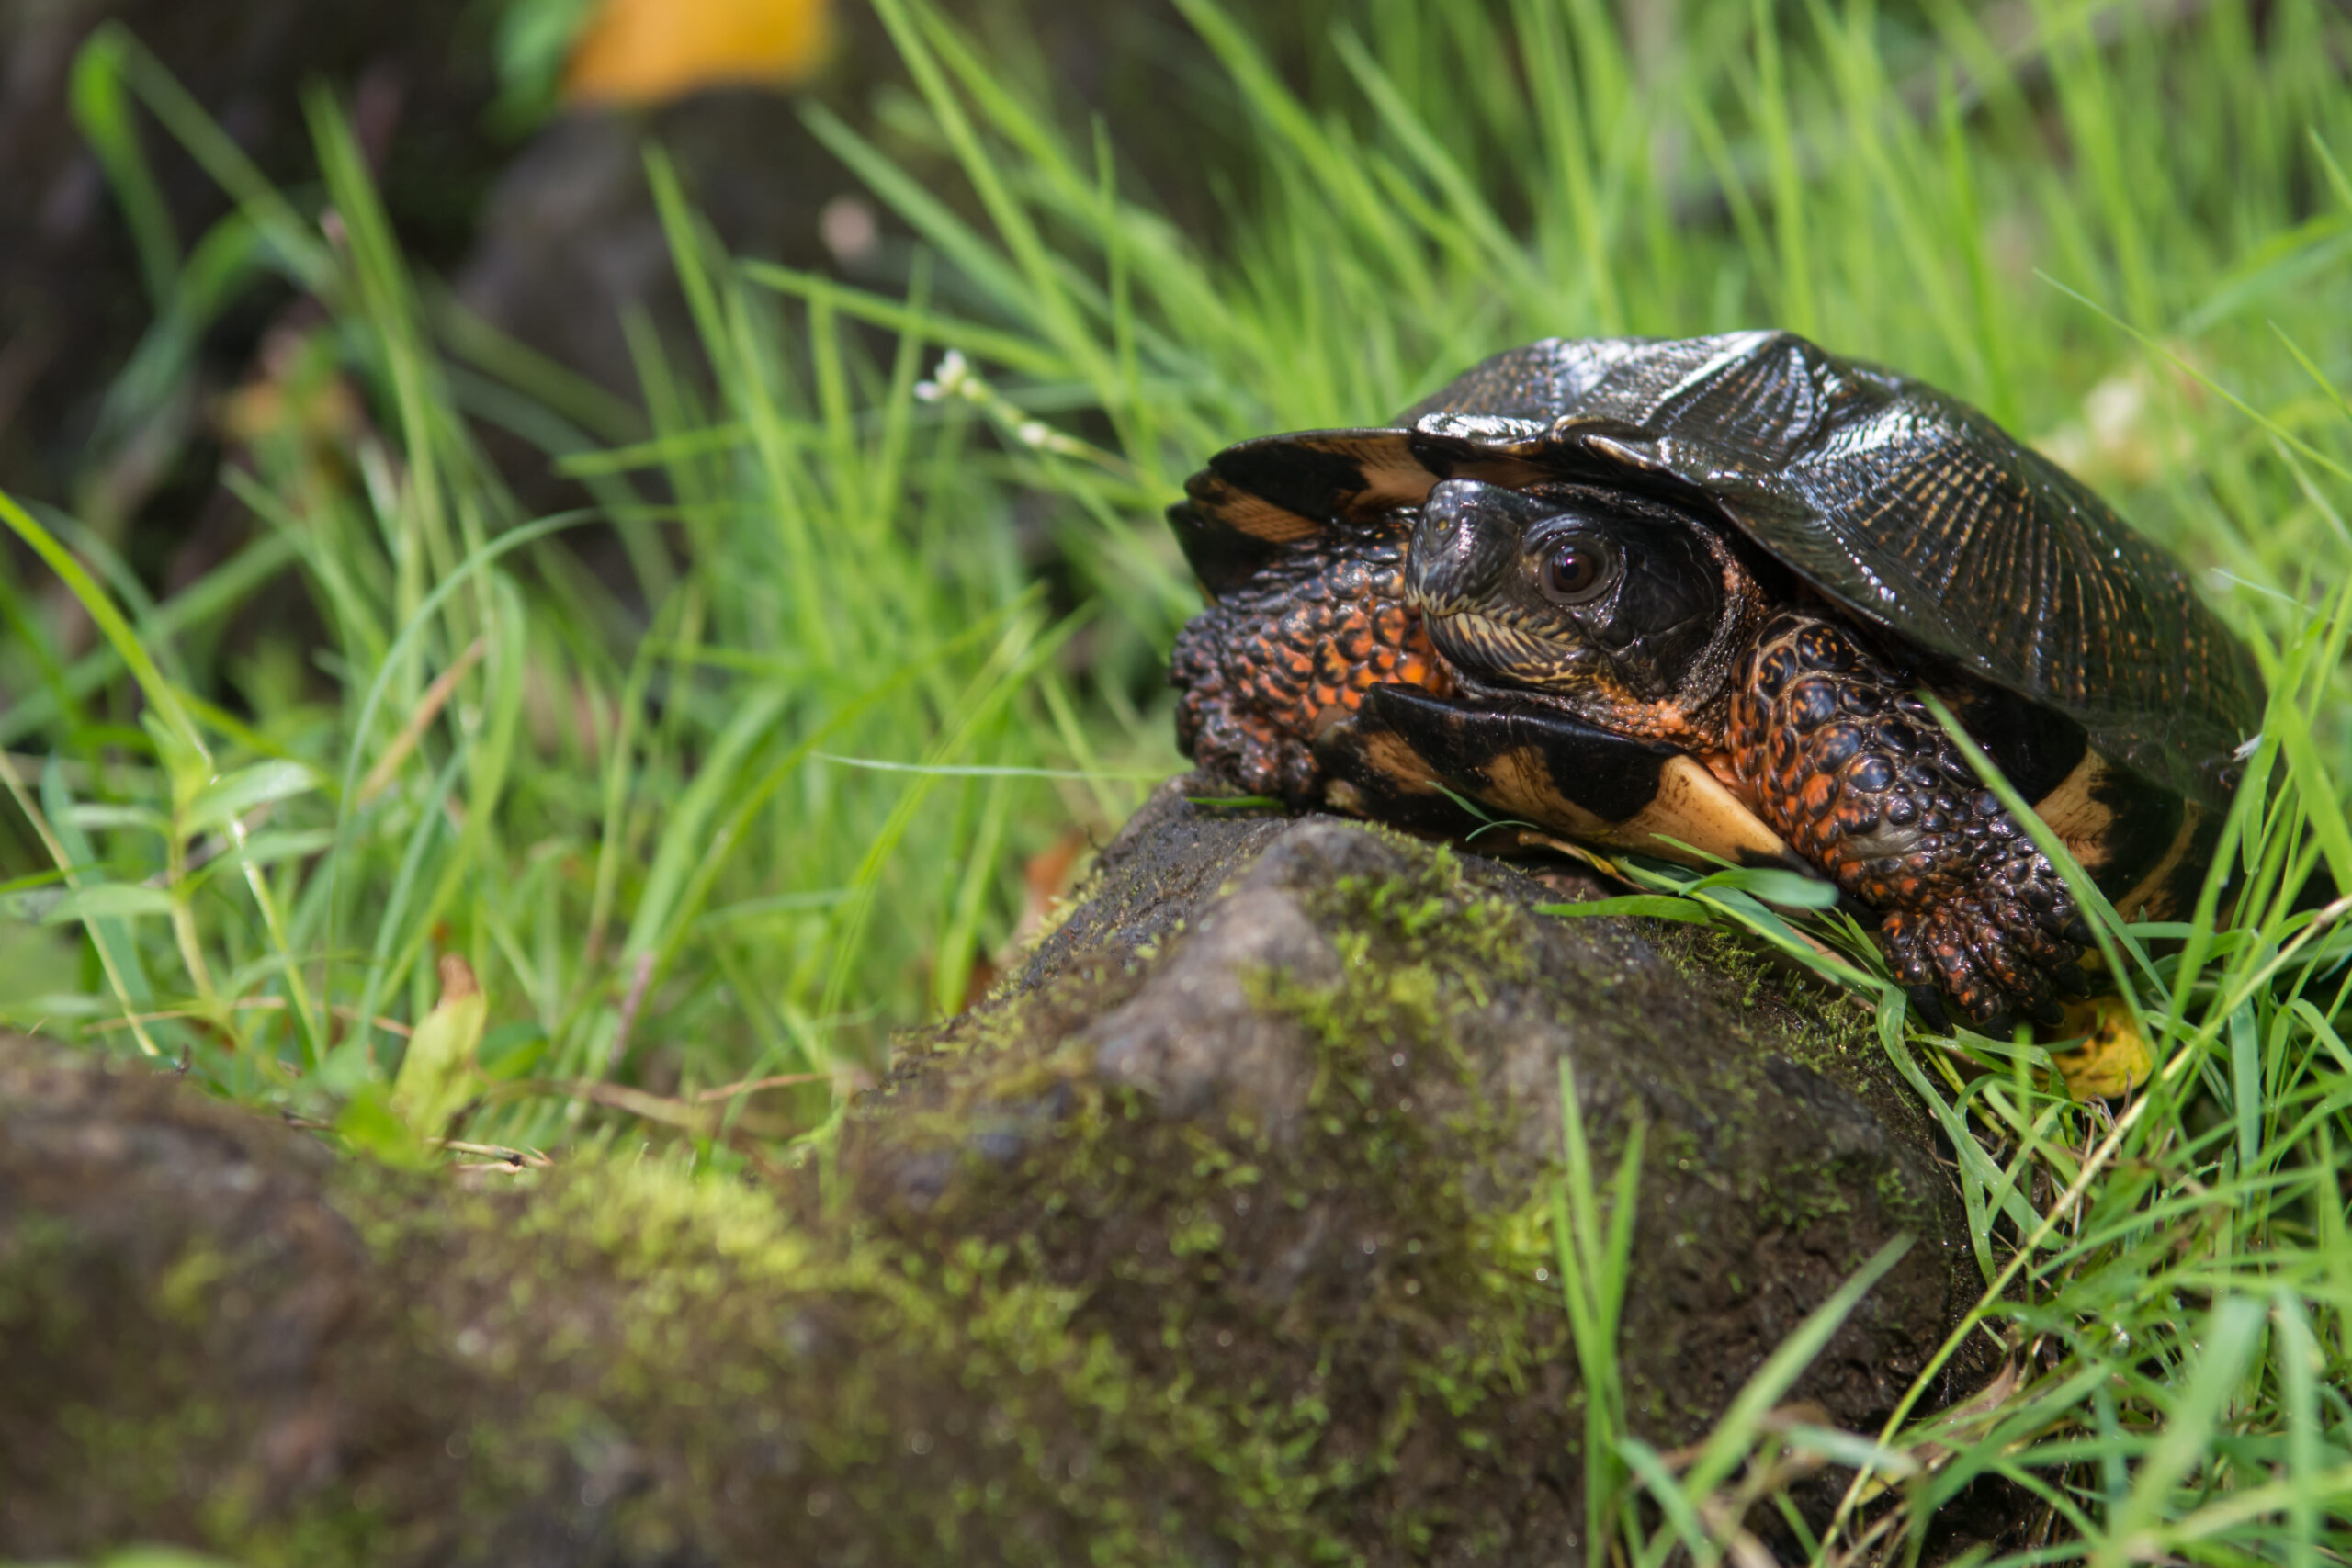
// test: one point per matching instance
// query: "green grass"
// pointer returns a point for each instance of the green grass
(644, 806)
(2127, 240)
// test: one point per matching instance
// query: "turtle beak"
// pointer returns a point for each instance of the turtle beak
(1462, 547)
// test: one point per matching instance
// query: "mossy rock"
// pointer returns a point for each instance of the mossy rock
(1220, 1234)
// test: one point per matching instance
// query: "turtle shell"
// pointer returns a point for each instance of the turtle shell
(1910, 509)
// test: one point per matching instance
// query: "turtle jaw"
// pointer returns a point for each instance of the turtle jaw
(1473, 641)
(1576, 678)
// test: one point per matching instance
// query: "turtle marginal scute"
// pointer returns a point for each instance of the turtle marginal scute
(1514, 465)
(1247, 512)
(1323, 476)
(1222, 556)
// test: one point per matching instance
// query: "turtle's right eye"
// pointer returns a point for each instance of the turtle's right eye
(1577, 569)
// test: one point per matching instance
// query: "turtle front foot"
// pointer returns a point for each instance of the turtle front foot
(1995, 970)
(1848, 764)
(1274, 662)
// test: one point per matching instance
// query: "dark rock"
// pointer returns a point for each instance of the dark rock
(1220, 1234)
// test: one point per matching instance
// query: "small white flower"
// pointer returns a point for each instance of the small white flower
(950, 380)
(1035, 432)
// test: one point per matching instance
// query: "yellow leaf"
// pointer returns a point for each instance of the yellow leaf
(643, 52)
(2112, 1060)
(437, 1076)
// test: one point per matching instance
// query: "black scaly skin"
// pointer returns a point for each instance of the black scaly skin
(1851, 769)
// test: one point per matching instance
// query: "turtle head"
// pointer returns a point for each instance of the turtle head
(1623, 610)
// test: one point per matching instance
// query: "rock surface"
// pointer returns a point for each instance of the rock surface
(1219, 1235)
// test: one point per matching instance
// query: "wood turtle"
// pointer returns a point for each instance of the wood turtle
(1682, 596)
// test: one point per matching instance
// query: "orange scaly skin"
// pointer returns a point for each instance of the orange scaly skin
(1261, 668)
(1857, 776)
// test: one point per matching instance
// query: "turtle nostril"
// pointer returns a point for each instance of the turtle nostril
(1448, 499)
(1444, 562)
(1443, 514)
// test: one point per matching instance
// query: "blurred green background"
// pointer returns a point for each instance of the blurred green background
(551, 580)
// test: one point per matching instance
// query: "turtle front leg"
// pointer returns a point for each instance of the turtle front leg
(1271, 664)
(1855, 773)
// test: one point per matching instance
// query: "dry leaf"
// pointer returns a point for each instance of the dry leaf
(645, 51)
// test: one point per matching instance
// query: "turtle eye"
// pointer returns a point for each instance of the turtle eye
(1577, 569)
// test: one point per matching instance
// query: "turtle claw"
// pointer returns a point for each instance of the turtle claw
(1992, 970)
